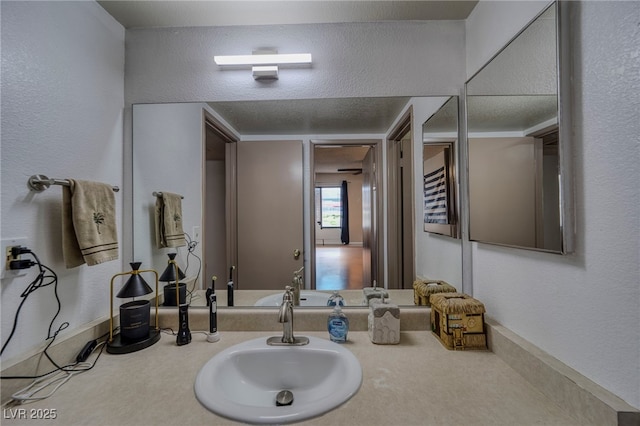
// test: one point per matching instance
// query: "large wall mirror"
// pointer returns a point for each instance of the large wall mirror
(519, 186)
(176, 149)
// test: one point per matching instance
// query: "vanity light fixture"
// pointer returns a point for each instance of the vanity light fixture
(264, 63)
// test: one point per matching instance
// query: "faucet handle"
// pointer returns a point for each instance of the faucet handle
(288, 294)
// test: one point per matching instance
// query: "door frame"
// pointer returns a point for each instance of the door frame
(400, 258)
(230, 166)
(377, 146)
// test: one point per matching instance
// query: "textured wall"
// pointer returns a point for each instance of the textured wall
(167, 156)
(62, 100)
(437, 256)
(383, 59)
(583, 308)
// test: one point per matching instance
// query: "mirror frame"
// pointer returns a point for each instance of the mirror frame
(563, 17)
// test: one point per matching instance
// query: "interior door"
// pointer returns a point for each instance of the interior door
(269, 212)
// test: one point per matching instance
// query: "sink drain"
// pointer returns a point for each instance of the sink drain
(284, 397)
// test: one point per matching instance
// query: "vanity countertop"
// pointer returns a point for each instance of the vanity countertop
(417, 382)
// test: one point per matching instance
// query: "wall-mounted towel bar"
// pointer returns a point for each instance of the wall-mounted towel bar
(159, 194)
(39, 183)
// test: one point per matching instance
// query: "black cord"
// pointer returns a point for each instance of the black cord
(62, 327)
(191, 247)
(66, 368)
(41, 280)
(44, 280)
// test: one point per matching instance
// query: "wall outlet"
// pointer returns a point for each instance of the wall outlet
(196, 233)
(6, 252)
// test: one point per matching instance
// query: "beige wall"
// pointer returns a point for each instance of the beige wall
(502, 190)
(215, 228)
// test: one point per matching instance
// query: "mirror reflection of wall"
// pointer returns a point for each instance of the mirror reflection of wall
(440, 139)
(439, 255)
(167, 156)
(515, 173)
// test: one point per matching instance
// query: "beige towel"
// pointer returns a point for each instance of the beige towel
(168, 215)
(89, 231)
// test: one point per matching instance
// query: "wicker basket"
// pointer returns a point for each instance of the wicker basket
(458, 321)
(423, 289)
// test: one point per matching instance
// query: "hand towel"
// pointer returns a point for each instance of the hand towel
(89, 231)
(169, 232)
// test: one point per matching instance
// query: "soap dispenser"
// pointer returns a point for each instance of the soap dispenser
(338, 323)
(335, 299)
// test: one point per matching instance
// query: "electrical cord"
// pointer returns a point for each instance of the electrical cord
(191, 247)
(41, 280)
(68, 367)
(55, 378)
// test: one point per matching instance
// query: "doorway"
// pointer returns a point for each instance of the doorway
(344, 219)
(218, 250)
(401, 205)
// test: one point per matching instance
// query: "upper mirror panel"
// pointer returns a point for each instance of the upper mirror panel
(516, 176)
(439, 151)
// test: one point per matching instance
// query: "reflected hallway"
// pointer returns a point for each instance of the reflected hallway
(338, 267)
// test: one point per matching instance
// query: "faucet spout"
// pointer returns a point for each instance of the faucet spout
(297, 285)
(285, 317)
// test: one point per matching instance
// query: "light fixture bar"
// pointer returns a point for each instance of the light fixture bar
(265, 72)
(264, 59)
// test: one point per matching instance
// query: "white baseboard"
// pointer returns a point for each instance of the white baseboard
(328, 242)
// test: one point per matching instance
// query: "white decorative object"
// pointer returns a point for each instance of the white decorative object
(384, 322)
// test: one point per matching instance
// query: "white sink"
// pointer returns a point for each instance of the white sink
(243, 381)
(307, 298)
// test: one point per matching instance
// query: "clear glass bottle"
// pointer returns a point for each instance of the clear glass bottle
(338, 324)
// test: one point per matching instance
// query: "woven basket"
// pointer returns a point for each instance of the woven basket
(458, 321)
(457, 303)
(423, 289)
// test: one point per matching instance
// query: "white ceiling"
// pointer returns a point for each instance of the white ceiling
(146, 14)
(312, 116)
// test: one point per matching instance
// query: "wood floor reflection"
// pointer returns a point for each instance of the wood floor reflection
(338, 267)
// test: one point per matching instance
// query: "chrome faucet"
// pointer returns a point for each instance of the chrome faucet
(285, 316)
(297, 286)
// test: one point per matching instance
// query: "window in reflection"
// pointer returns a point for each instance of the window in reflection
(329, 205)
